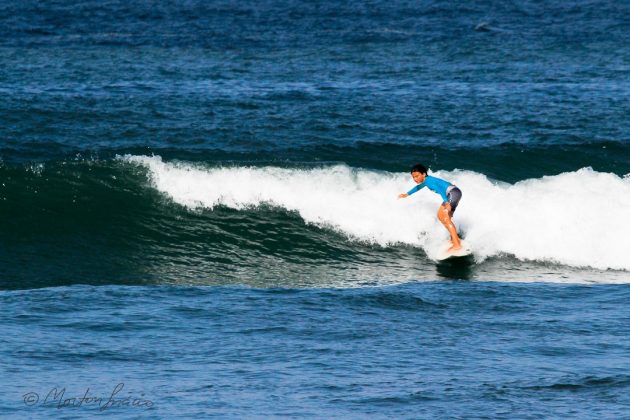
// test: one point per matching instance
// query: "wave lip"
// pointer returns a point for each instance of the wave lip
(575, 218)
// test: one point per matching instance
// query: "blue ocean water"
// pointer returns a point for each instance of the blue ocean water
(447, 349)
(198, 211)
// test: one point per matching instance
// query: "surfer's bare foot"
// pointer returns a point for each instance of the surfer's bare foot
(454, 248)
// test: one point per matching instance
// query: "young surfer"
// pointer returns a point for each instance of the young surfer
(450, 199)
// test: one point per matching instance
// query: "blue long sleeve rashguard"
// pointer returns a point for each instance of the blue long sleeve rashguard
(436, 185)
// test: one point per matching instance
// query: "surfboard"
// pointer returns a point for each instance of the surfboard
(443, 254)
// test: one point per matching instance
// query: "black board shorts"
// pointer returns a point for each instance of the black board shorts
(453, 194)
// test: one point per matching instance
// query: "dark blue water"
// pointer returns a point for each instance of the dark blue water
(198, 209)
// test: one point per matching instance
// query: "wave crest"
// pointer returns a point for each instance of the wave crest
(575, 218)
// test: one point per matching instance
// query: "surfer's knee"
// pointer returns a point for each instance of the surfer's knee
(445, 220)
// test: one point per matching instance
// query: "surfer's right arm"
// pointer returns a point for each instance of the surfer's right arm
(411, 191)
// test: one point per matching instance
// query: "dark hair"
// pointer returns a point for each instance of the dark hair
(419, 168)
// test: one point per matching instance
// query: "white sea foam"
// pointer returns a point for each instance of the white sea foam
(577, 218)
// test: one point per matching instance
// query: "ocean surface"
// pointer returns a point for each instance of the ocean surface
(199, 213)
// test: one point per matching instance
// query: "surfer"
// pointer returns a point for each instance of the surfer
(450, 199)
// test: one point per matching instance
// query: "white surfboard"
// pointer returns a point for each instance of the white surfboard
(444, 254)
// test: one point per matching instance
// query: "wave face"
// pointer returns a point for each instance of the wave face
(145, 220)
(574, 218)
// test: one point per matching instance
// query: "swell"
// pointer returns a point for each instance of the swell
(96, 221)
